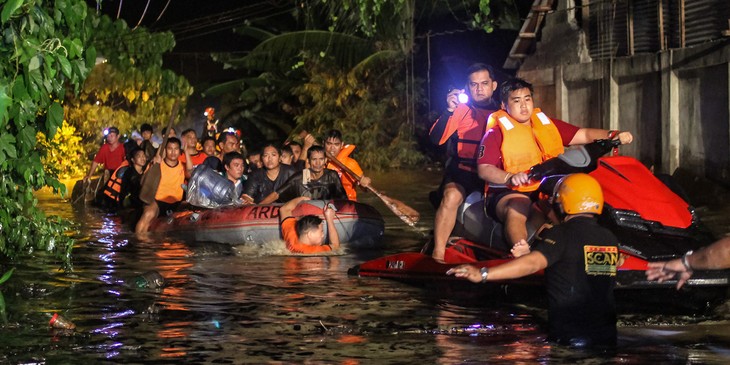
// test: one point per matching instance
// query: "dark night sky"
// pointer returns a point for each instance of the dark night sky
(202, 27)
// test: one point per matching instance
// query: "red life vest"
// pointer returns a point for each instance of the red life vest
(114, 185)
(469, 124)
(527, 144)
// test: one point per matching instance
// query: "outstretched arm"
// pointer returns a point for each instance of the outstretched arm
(588, 135)
(517, 268)
(713, 257)
(94, 164)
(286, 210)
(188, 161)
(329, 217)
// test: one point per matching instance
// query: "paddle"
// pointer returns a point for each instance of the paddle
(151, 177)
(407, 214)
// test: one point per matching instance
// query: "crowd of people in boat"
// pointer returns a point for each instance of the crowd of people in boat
(217, 170)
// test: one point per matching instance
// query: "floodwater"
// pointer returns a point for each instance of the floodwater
(224, 305)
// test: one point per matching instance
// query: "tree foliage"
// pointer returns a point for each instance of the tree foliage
(49, 48)
(325, 79)
(128, 85)
(60, 152)
(45, 53)
(349, 68)
(367, 107)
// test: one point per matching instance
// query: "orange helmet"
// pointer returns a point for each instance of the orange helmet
(209, 111)
(578, 193)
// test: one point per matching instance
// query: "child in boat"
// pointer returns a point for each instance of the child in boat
(306, 234)
(580, 259)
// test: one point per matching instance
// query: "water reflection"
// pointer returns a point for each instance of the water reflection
(231, 305)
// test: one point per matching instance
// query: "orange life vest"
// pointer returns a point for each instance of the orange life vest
(113, 186)
(171, 179)
(469, 124)
(348, 182)
(527, 144)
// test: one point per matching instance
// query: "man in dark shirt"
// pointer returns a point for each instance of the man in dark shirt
(315, 182)
(266, 180)
(580, 259)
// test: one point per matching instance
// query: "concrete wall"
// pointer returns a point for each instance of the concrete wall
(676, 102)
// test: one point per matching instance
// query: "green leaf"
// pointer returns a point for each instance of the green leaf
(65, 65)
(19, 90)
(55, 118)
(35, 82)
(10, 7)
(35, 62)
(7, 147)
(91, 57)
(5, 102)
(27, 138)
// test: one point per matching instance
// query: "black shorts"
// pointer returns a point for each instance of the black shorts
(496, 194)
(166, 207)
(470, 181)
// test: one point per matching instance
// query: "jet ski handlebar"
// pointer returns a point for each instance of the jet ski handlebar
(582, 158)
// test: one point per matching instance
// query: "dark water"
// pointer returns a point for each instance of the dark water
(222, 305)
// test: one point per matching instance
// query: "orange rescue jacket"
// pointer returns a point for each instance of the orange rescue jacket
(349, 183)
(113, 186)
(527, 144)
(171, 179)
(469, 124)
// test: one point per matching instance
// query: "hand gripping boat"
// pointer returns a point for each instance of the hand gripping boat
(652, 223)
(359, 225)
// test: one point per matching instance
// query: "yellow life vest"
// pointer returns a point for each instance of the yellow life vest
(527, 144)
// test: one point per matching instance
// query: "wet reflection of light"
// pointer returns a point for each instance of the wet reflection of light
(110, 225)
(126, 313)
(175, 300)
(173, 352)
(114, 292)
(174, 257)
(108, 257)
(107, 330)
(175, 330)
(106, 278)
(351, 339)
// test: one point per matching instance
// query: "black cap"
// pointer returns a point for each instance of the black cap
(112, 130)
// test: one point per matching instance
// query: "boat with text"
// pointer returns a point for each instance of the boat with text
(358, 225)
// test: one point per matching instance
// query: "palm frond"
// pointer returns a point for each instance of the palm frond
(225, 88)
(273, 53)
(376, 61)
(253, 32)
